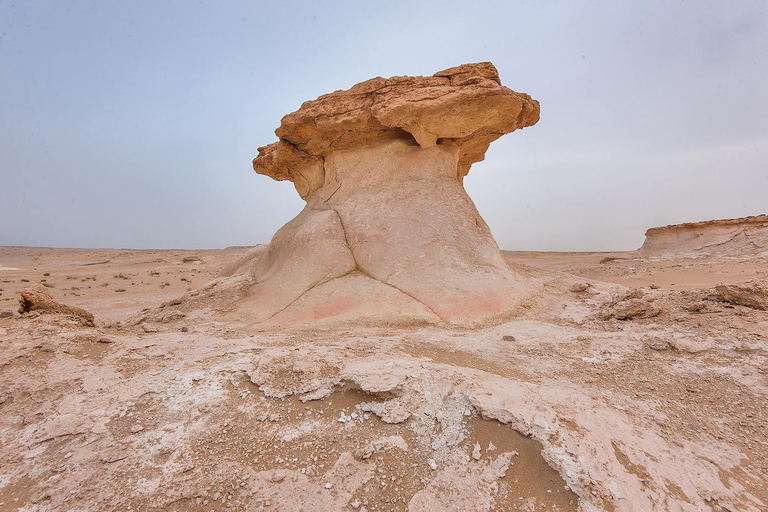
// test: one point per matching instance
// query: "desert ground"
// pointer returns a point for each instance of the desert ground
(631, 385)
(382, 353)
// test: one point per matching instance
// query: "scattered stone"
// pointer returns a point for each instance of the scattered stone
(104, 339)
(750, 294)
(274, 477)
(657, 344)
(509, 337)
(696, 307)
(185, 329)
(476, 453)
(328, 485)
(172, 316)
(37, 298)
(136, 428)
(634, 308)
(432, 464)
(148, 328)
(579, 287)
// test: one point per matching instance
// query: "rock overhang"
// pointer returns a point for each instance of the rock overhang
(465, 106)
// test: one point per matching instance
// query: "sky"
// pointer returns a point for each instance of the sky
(134, 124)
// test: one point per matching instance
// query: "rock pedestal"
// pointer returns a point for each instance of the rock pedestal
(389, 234)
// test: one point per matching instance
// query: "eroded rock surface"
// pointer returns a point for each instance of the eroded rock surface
(465, 106)
(37, 299)
(388, 234)
(737, 237)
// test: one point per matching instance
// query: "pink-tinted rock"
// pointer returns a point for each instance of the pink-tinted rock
(388, 235)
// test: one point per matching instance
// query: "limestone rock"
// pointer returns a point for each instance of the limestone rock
(388, 235)
(37, 298)
(465, 106)
(750, 294)
(724, 237)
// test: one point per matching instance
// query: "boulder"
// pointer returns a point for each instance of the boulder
(38, 299)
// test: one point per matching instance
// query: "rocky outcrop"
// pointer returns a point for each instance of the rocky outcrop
(37, 299)
(465, 107)
(742, 236)
(388, 234)
(751, 294)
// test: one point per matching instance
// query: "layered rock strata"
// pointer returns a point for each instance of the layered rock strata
(388, 233)
(741, 236)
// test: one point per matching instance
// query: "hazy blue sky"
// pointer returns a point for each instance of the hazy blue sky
(133, 124)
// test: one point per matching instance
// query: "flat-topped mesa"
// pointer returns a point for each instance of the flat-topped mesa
(388, 234)
(722, 237)
(465, 106)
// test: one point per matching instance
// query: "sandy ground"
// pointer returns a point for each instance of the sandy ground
(577, 405)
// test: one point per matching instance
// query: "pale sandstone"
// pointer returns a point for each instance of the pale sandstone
(38, 299)
(736, 237)
(388, 234)
(661, 413)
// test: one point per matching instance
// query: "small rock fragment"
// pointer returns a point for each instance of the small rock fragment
(274, 477)
(579, 287)
(476, 453)
(509, 337)
(657, 344)
(432, 464)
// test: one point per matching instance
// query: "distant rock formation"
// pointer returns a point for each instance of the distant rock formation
(726, 237)
(388, 235)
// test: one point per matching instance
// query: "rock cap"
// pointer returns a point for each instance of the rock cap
(464, 105)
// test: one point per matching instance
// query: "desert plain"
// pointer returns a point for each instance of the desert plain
(382, 353)
(565, 408)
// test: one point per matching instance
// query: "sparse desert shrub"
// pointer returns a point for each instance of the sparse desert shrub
(120, 290)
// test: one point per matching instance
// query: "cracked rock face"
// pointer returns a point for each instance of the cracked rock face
(388, 234)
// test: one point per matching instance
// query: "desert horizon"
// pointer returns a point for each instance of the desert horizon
(402, 257)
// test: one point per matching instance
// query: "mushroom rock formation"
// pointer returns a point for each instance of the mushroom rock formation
(388, 233)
